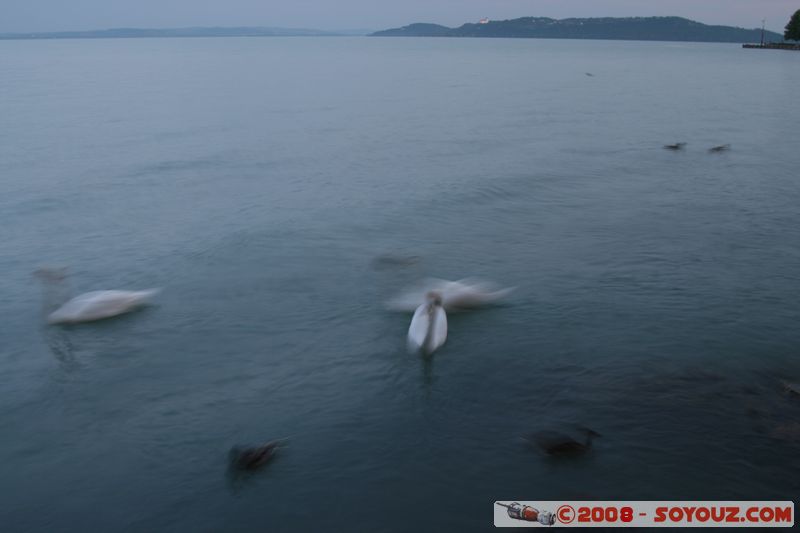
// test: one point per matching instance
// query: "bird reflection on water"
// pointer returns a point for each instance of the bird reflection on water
(61, 347)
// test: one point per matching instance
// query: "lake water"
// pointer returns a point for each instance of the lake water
(257, 180)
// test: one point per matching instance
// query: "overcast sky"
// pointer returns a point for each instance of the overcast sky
(56, 15)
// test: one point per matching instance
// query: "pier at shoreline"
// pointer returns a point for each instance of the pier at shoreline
(774, 46)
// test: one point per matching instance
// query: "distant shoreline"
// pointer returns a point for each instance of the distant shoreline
(665, 29)
(144, 33)
(671, 29)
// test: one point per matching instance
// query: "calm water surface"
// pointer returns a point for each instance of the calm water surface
(256, 180)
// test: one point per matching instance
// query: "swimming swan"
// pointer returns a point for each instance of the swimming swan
(90, 306)
(428, 329)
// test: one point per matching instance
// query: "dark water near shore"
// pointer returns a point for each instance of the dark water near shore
(256, 180)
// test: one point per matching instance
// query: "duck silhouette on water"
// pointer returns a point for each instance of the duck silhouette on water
(719, 149)
(792, 389)
(674, 147)
(561, 445)
(244, 458)
(387, 261)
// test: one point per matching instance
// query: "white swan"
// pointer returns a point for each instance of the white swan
(428, 329)
(455, 295)
(90, 306)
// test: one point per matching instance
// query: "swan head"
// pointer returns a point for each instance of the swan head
(434, 297)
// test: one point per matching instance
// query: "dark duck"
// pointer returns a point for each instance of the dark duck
(561, 445)
(676, 146)
(253, 458)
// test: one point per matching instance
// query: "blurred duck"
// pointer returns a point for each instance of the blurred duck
(676, 146)
(560, 445)
(791, 388)
(387, 261)
(253, 458)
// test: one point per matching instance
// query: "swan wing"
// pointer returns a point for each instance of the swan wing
(458, 295)
(414, 295)
(406, 302)
(418, 330)
(427, 331)
(465, 296)
(439, 333)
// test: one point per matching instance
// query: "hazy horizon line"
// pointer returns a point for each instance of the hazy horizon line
(346, 31)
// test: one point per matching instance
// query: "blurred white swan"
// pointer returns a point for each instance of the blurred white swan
(455, 295)
(428, 329)
(90, 306)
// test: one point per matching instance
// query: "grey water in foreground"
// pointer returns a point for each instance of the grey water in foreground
(257, 181)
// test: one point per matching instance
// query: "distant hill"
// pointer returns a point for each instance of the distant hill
(121, 33)
(633, 28)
